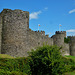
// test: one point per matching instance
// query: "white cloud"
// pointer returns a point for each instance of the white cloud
(72, 11)
(46, 8)
(34, 15)
(71, 30)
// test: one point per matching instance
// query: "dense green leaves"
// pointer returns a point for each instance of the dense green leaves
(47, 60)
(14, 66)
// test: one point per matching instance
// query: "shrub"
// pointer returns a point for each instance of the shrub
(15, 65)
(46, 60)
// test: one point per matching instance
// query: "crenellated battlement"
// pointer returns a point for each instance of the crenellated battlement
(16, 10)
(60, 32)
(37, 32)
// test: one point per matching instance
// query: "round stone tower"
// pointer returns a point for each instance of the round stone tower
(58, 38)
(15, 24)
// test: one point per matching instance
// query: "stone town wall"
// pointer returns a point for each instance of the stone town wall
(72, 45)
(17, 38)
(36, 38)
(65, 49)
(0, 32)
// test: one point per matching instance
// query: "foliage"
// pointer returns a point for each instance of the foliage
(47, 60)
(12, 66)
(69, 64)
(70, 61)
(66, 40)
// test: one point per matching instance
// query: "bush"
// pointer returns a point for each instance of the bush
(46, 60)
(15, 65)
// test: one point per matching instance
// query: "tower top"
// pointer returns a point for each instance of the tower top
(9, 10)
(60, 32)
(16, 11)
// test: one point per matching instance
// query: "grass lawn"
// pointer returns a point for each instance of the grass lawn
(13, 66)
(73, 58)
(5, 56)
(70, 73)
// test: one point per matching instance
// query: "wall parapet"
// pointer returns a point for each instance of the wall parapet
(37, 32)
(60, 32)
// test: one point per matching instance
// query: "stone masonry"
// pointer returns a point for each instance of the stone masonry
(58, 39)
(16, 38)
(72, 45)
(14, 32)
